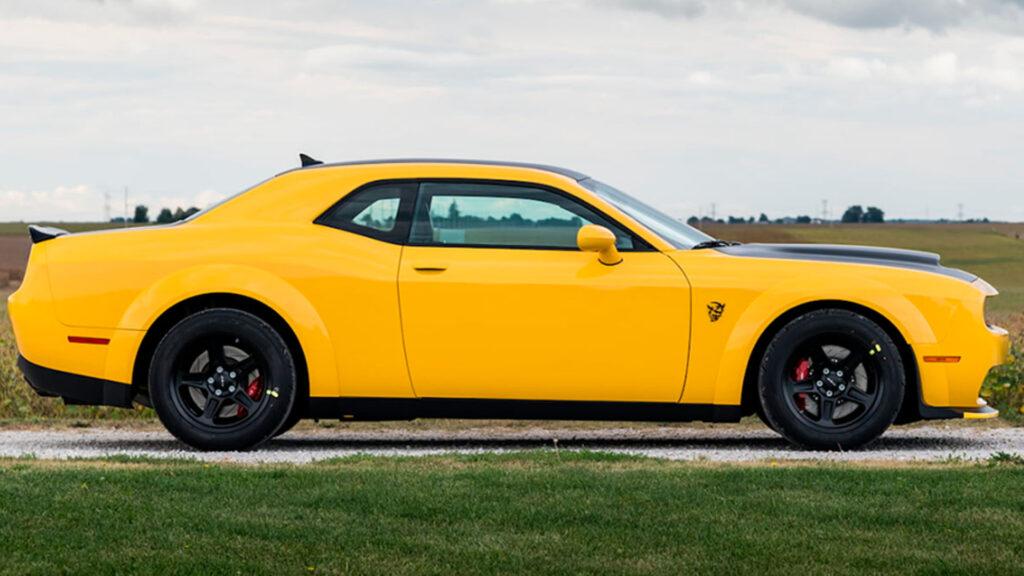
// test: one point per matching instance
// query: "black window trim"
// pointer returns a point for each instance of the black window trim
(403, 224)
(403, 219)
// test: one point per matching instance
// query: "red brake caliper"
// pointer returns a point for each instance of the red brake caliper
(253, 390)
(800, 373)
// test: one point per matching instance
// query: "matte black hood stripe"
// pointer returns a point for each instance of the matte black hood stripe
(894, 257)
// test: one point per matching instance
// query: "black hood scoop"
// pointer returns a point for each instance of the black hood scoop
(895, 257)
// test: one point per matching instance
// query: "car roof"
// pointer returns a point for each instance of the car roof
(544, 167)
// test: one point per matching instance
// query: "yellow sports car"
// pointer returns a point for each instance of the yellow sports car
(463, 289)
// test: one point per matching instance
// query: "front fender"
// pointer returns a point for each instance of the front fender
(722, 349)
(250, 282)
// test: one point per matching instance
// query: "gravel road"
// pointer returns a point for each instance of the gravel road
(720, 443)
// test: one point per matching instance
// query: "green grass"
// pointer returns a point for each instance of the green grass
(512, 514)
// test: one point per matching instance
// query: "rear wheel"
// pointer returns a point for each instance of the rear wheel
(831, 379)
(222, 379)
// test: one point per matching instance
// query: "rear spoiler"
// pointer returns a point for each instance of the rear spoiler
(44, 233)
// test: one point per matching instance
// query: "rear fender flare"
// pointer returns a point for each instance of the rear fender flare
(250, 282)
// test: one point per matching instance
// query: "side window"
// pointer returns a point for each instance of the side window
(375, 212)
(500, 215)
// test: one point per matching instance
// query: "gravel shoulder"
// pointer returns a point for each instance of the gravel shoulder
(730, 443)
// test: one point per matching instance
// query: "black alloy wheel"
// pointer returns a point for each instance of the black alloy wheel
(831, 379)
(222, 379)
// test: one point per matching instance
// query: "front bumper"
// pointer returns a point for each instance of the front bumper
(74, 388)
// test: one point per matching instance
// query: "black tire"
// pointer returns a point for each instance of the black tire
(831, 380)
(293, 418)
(222, 379)
(759, 410)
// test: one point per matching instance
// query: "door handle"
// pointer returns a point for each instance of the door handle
(429, 267)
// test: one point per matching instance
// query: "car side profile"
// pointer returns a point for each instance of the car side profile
(403, 289)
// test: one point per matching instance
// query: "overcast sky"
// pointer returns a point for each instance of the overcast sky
(761, 105)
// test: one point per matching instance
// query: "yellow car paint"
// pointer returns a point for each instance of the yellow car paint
(376, 319)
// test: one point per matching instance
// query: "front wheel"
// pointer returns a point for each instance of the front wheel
(222, 379)
(831, 380)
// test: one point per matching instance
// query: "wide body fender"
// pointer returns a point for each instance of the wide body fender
(723, 348)
(250, 282)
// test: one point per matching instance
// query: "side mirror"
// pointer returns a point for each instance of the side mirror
(594, 238)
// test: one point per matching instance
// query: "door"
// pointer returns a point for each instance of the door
(497, 302)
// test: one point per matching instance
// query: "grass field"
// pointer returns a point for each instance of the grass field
(538, 513)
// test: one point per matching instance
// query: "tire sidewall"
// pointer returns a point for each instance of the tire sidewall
(772, 393)
(267, 342)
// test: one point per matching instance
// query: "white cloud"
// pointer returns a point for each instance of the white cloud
(766, 105)
(63, 203)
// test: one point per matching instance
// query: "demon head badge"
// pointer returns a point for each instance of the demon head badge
(715, 310)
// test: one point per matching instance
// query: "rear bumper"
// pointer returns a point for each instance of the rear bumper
(74, 388)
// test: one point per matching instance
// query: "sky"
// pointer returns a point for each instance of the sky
(742, 107)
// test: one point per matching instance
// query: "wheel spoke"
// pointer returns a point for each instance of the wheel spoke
(243, 399)
(193, 381)
(245, 366)
(215, 354)
(805, 386)
(211, 409)
(826, 408)
(859, 396)
(819, 359)
(853, 359)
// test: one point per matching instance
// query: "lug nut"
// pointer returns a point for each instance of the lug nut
(232, 388)
(842, 387)
(209, 380)
(217, 392)
(232, 374)
(829, 393)
(818, 383)
(825, 370)
(839, 373)
(220, 369)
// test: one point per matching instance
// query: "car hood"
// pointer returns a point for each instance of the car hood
(893, 257)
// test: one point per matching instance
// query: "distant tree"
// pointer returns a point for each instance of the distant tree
(165, 216)
(141, 214)
(763, 218)
(179, 214)
(750, 220)
(735, 220)
(191, 210)
(454, 214)
(853, 214)
(693, 221)
(803, 219)
(874, 215)
(117, 219)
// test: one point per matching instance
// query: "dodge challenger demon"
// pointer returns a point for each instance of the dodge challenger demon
(403, 289)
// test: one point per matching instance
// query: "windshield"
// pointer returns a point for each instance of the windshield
(674, 232)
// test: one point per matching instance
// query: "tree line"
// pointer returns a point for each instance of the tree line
(166, 215)
(853, 214)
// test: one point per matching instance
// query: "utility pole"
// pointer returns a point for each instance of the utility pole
(824, 210)
(712, 211)
(960, 212)
(125, 206)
